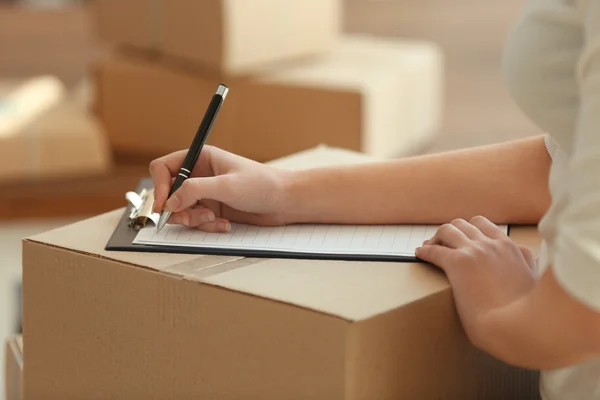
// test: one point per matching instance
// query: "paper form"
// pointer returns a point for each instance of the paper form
(366, 240)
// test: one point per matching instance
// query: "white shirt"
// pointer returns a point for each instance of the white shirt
(552, 68)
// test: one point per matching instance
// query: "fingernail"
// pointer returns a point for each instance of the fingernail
(185, 220)
(224, 226)
(172, 204)
(207, 217)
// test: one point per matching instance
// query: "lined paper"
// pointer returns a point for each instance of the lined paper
(367, 240)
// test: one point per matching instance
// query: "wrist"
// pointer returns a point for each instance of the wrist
(526, 334)
(295, 188)
(505, 334)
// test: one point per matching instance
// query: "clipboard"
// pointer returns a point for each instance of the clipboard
(139, 213)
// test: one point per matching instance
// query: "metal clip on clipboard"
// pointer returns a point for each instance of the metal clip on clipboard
(141, 210)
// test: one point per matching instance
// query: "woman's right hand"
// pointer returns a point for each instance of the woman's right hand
(222, 188)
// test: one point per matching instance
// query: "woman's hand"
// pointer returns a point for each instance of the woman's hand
(485, 268)
(222, 188)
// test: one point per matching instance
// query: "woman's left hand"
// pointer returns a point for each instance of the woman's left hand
(486, 270)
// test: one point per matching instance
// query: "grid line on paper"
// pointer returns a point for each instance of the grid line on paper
(374, 240)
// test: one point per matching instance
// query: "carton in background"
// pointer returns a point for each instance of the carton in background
(150, 109)
(382, 97)
(230, 36)
(379, 96)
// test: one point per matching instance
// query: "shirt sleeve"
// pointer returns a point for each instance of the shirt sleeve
(577, 246)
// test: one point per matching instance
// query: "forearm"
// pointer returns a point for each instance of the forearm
(506, 182)
(546, 329)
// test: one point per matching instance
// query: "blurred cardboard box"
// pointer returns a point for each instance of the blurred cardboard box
(44, 134)
(379, 96)
(382, 97)
(69, 198)
(13, 368)
(149, 109)
(153, 325)
(231, 36)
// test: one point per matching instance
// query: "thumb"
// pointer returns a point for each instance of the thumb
(196, 189)
(435, 254)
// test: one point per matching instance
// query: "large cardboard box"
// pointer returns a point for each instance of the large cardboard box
(175, 326)
(231, 36)
(13, 368)
(380, 96)
(383, 97)
(46, 135)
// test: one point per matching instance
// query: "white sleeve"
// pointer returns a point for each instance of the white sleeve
(577, 246)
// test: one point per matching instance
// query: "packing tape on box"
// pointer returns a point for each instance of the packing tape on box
(197, 269)
(207, 266)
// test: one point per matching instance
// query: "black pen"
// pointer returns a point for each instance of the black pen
(194, 152)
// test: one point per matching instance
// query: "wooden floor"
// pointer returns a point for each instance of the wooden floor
(471, 33)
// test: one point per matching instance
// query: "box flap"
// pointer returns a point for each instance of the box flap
(354, 62)
(321, 156)
(91, 235)
(349, 290)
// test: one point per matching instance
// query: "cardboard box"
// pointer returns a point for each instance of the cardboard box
(44, 134)
(176, 326)
(13, 368)
(379, 96)
(149, 109)
(231, 36)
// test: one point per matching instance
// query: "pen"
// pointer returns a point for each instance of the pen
(194, 151)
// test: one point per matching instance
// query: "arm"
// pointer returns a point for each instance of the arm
(507, 182)
(557, 323)
(546, 329)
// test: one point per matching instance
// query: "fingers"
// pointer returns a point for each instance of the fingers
(193, 217)
(478, 228)
(215, 188)
(488, 228)
(449, 235)
(162, 171)
(201, 218)
(435, 254)
(471, 231)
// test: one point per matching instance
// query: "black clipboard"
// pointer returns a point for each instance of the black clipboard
(124, 235)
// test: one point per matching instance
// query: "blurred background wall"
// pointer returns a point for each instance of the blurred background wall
(58, 38)
(470, 32)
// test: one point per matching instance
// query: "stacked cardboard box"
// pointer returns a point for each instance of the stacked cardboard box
(13, 368)
(296, 79)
